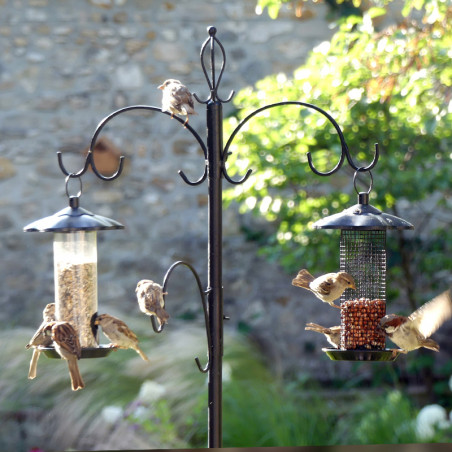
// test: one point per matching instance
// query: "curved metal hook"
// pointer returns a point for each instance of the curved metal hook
(204, 305)
(108, 118)
(344, 151)
(365, 168)
(213, 84)
(89, 160)
(69, 174)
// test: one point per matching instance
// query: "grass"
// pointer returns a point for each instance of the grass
(259, 410)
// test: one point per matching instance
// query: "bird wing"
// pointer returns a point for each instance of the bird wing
(64, 334)
(182, 96)
(431, 315)
(125, 330)
(324, 286)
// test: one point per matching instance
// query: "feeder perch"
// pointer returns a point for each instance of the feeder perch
(363, 255)
(75, 270)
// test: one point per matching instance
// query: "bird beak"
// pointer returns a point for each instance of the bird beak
(161, 87)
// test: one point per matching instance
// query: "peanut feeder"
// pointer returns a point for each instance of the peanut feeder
(363, 255)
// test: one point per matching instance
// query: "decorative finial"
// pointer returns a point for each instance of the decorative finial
(211, 30)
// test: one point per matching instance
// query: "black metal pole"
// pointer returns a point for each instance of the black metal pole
(215, 287)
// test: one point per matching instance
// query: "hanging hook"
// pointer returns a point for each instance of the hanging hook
(344, 148)
(158, 328)
(362, 170)
(365, 168)
(68, 178)
(108, 118)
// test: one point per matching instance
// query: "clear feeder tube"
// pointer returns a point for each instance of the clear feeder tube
(75, 270)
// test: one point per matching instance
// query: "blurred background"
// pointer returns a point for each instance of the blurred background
(380, 68)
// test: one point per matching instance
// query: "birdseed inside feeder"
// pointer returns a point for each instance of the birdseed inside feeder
(363, 255)
(75, 268)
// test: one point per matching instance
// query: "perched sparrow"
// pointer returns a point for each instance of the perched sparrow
(412, 332)
(119, 333)
(150, 299)
(43, 336)
(177, 99)
(332, 334)
(68, 347)
(327, 287)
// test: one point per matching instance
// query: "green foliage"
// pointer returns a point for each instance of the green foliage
(391, 87)
(380, 420)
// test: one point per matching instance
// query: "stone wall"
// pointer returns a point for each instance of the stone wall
(64, 65)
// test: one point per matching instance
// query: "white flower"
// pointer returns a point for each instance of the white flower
(151, 391)
(429, 417)
(112, 413)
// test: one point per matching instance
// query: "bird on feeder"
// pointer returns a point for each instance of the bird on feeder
(177, 99)
(119, 333)
(42, 337)
(332, 334)
(328, 287)
(67, 345)
(413, 332)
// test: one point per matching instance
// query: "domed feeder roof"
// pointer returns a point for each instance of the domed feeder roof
(73, 218)
(362, 216)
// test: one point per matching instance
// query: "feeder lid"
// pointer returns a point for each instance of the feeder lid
(71, 219)
(362, 216)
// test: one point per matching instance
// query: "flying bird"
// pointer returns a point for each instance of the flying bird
(332, 334)
(414, 331)
(119, 333)
(328, 287)
(177, 99)
(151, 301)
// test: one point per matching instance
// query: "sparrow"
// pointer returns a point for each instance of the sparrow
(332, 334)
(42, 336)
(177, 99)
(151, 301)
(67, 345)
(328, 287)
(414, 331)
(119, 333)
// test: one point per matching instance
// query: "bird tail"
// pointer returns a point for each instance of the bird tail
(303, 279)
(141, 353)
(316, 327)
(161, 315)
(74, 372)
(430, 344)
(34, 364)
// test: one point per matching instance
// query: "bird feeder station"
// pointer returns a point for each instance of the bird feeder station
(363, 255)
(75, 269)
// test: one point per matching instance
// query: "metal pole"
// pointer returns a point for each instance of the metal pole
(215, 287)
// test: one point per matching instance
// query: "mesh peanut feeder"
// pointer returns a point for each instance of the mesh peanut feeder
(363, 255)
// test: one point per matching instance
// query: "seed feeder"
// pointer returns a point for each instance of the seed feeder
(363, 255)
(75, 269)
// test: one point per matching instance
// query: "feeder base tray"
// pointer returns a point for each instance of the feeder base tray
(362, 355)
(87, 352)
